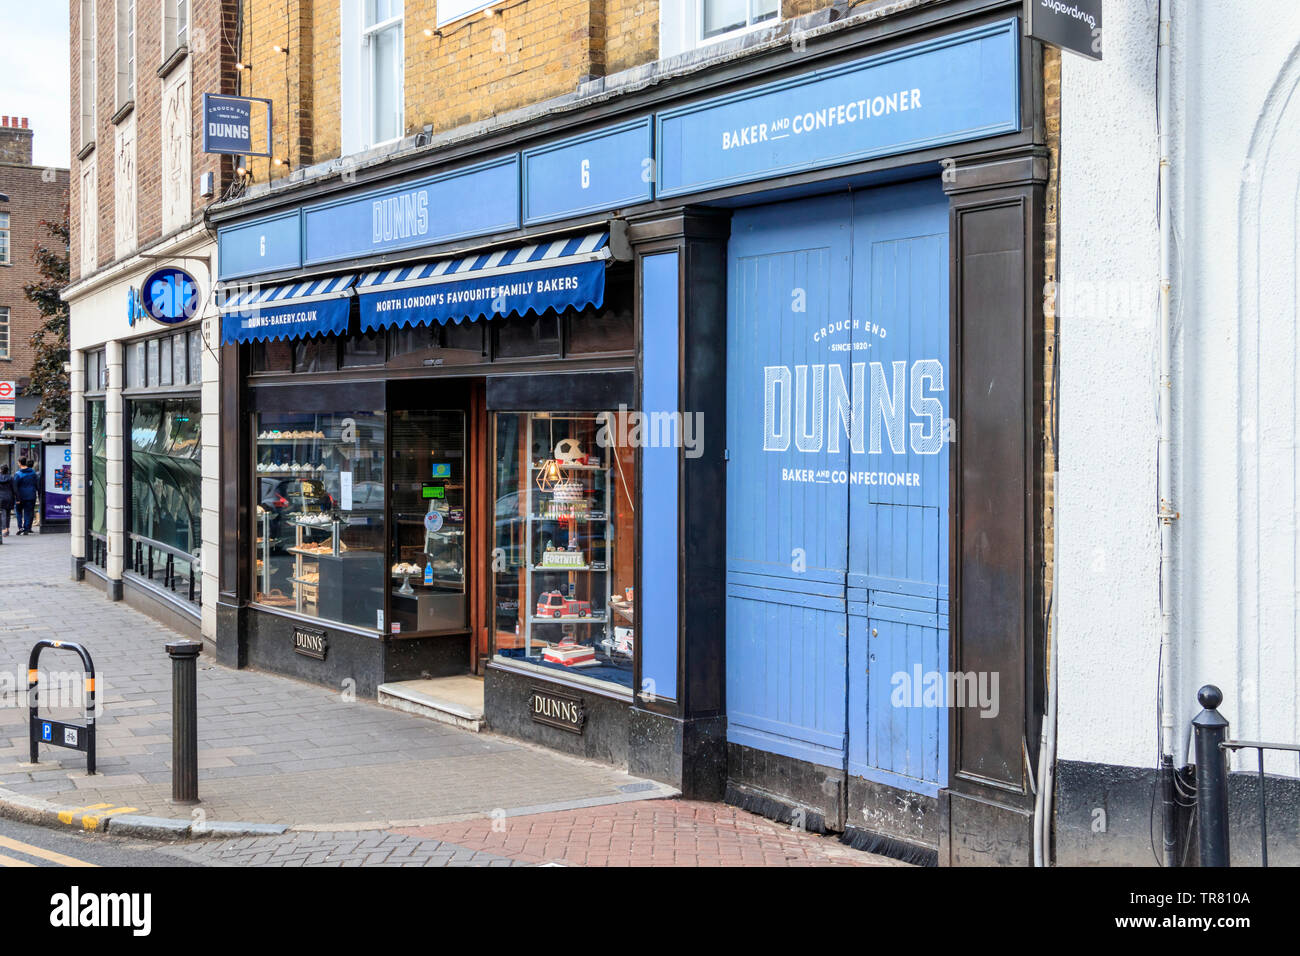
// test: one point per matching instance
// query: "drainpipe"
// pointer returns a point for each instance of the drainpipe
(1164, 473)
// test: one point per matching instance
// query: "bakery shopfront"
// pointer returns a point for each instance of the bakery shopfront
(659, 411)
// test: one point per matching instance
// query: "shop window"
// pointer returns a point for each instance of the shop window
(196, 357)
(427, 512)
(599, 330)
(435, 345)
(135, 361)
(165, 366)
(165, 495)
(180, 360)
(364, 349)
(152, 348)
(318, 354)
(97, 434)
(274, 356)
(319, 546)
(527, 336)
(562, 587)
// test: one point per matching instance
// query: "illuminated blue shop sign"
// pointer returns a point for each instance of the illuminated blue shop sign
(948, 90)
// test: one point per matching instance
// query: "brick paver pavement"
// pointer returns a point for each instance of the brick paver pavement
(652, 833)
(272, 749)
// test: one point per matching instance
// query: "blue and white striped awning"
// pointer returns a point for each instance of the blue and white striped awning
(563, 274)
(251, 312)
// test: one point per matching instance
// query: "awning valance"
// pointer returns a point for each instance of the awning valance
(564, 274)
(251, 313)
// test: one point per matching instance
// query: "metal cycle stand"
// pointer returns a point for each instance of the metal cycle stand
(56, 733)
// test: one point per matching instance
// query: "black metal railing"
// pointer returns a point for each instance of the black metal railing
(157, 562)
(1212, 749)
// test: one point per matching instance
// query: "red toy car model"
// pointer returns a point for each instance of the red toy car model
(555, 604)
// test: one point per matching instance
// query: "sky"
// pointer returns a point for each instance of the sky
(35, 80)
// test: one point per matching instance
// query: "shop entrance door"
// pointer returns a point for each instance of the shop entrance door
(837, 487)
(428, 517)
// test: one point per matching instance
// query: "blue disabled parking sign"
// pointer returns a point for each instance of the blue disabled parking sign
(46, 733)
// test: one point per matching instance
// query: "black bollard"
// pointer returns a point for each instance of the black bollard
(1211, 777)
(185, 721)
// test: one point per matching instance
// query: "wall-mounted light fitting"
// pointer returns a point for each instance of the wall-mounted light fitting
(280, 49)
(242, 66)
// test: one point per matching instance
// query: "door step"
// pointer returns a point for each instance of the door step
(450, 700)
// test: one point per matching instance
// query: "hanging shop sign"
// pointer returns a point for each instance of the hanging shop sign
(1073, 25)
(236, 125)
(469, 202)
(947, 90)
(556, 709)
(310, 643)
(168, 295)
(598, 172)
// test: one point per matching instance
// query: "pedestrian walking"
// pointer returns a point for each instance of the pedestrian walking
(8, 498)
(26, 486)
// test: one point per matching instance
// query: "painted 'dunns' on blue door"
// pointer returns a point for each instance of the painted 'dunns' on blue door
(837, 489)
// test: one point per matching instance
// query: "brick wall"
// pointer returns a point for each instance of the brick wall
(35, 194)
(210, 60)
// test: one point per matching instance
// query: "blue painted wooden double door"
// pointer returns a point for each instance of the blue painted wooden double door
(837, 482)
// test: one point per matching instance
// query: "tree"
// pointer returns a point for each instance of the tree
(50, 340)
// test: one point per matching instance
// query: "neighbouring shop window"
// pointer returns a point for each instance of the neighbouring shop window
(97, 431)
(319, 543)
(563, 543)
(4, 238)
(96, 371)
(167, 361)
(4, 332)
(529, 336)
(165, 496)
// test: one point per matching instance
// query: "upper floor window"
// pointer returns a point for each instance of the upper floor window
(176, 25)
(125, 52)
(383, 60)
(4, 332)
(87, 70)
(720, 17)
(4, 238)
(687, 24)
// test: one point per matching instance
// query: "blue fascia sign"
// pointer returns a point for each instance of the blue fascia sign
(570, 286)
(960, 87)
(593, 173)
(229, 122)
(943, 91)
(469, 202)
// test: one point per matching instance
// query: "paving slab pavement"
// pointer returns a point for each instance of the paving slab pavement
(271, 749)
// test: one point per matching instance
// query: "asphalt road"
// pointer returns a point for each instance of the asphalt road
(25, 845)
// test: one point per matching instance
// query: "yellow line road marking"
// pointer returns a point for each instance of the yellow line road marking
(89, 822)
(10, 861)
(39, 851)
(65, 816)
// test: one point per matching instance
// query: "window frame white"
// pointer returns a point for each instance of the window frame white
(681, 26)
(367, 38)
(125, 34)
(6, 239)
(88, 85)
(6, 333)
